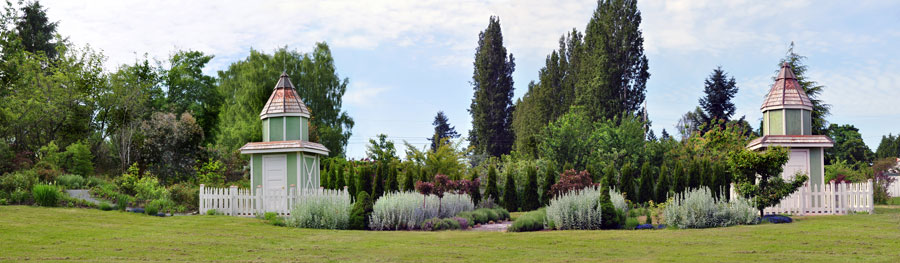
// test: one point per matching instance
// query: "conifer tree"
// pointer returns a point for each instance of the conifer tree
(352, 180)
(607, 209)
(510, 193)
(492, 81)
(364, 182)
(614, 71)
(392, 184)
(719, 90)
(610, 174)
(36, 31)
(531, 201)
(491, 192)
(662, 185)
(409, 180)
(380, 177)
(813, 90)
(339, 177)
(693, 174)
(475, 191)
(549, 180)
(678, 180)
(646, 190)
(442, 130)
(626, 182)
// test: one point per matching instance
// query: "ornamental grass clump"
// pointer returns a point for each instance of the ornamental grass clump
(46, 195)
(698, 208)
(579, 209)
(323, 209)
(408, 210)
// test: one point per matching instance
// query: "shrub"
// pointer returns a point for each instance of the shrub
(19, 180)
(437, 224)
(123, 201)
(20, 197)
(163, 205)
(579, 209)
(323, 209)
(502, 213)
(148, 188)
(46, 195)
(480, 216)
(618, 200)
(93, 181)
(698, 208)
(105, 206)
(273, 219)
(212, 212)
(570, 180)
(462, 222)
(79, 159)
(211, 173)
(404, 210)
(531, 201)
(359, 215)
(631, 223)
(468, 215)
(531, 221)
(151, 209)
(70, 181)
(184, 195)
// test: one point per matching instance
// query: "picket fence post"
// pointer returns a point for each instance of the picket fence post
(259, 200)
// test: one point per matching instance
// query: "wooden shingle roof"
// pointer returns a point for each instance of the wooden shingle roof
(786, 93)
(284, 101)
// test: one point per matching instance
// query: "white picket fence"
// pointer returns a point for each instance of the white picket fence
(894, 188)
(828, 199)
(241, 202)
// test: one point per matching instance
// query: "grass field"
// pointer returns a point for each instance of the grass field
(43, 234)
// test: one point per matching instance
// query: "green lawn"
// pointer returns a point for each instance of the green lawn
(34, 233)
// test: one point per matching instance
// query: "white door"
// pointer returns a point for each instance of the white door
(275, 182)
(798, 163)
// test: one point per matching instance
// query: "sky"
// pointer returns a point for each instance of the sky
(408, 59)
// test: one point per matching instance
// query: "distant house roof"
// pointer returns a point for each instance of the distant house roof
(786, 93)
(284, 101)
(284, 146)
(791, 141)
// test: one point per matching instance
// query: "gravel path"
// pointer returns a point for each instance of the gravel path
(496, 227)
(82, 194)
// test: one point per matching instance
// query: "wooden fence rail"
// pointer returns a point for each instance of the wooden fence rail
(828, 199)
(242, 202)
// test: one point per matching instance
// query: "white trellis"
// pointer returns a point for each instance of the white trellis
(242, 202)
(828, 199)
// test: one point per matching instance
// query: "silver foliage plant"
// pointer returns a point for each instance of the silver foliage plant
(323, 209)
(698, 208)
(618, 200)
(405, 211)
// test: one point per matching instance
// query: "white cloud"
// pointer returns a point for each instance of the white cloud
(230, 28)
(361, 94)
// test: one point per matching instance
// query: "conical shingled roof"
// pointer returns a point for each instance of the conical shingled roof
(786, 93)
(284, 101)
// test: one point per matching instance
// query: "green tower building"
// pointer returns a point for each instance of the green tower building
(285, 158)
(787, 122)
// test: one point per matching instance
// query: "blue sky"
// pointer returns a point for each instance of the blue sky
(408, 59)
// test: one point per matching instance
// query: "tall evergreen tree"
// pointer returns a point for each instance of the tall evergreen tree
(812, 89)
(719, 90)
(339, 176)
(663, 185)
(889, 147)
(626, 182)
(510, 192)
(36, 31)
(475, 191)
(678, 180)
(530, 199)
(549, 180)
(392, 184)
(492, 81)
(491, 192)
(614, 71)
(442, 130)
(380, 178)
(645, 192)
(409, 180)
(548, 98)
